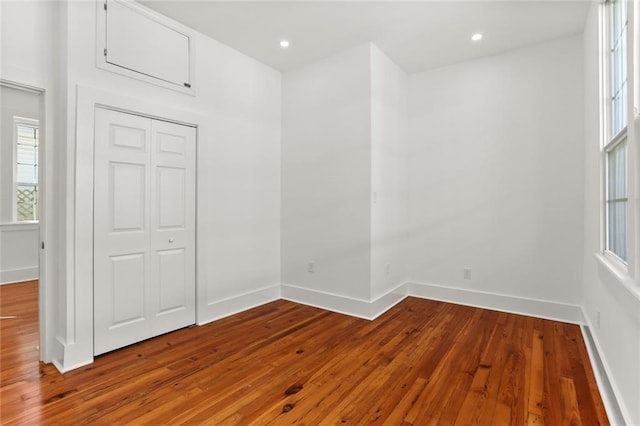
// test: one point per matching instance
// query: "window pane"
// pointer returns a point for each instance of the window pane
(26, 134)
(617, 172)
(617, 229)
(27, 202)
(26, 172)
(617, 200)
(26, 155)
(618, 61)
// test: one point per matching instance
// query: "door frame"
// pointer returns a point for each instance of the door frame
(77, 345)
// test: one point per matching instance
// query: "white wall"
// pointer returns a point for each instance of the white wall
(388, 173)
(618, 332)
(31, 54)
(496, 173)
(326, 170)
(19, 252)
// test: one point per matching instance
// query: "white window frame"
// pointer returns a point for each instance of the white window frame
(633, 140)
(629, 271)
(609, 141)
(27, 122)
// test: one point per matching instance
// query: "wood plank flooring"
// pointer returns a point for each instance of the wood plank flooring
(421, 363)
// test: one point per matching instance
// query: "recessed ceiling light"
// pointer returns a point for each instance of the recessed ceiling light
(284, 44)
(476, 37)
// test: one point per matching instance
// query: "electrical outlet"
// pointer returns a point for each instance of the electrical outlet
(311, 267)
(388, 268)
(467, 273)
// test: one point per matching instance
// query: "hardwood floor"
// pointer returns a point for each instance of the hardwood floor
(423, 362)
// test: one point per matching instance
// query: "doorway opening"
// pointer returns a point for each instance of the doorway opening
(21, 209)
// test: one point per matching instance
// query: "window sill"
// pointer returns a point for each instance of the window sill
(613, 270)
(20, 226)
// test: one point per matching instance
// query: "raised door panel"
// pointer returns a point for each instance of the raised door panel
(171, 202)
(126, 282)
(171, 281)
(127, 191)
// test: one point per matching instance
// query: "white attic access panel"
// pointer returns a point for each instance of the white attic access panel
(137, 42)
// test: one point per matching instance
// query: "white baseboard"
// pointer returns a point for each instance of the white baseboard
(71, 356)
(499, 302)
(233, 305)
(610, 392)
(387, 301)
(11, 276)
(343, 304)
(64, 368)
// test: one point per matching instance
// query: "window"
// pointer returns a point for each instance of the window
(26, 168)
(615, 149)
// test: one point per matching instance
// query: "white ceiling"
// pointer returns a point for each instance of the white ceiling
(416, 35)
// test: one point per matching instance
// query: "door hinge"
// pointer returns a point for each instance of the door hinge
(42, 245)
(105, 5)
(105, 52)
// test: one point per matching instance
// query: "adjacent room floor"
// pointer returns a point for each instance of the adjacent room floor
(422, 362)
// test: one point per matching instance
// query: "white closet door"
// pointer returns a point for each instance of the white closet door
(173, 224)
(144, 229)
(122, 314)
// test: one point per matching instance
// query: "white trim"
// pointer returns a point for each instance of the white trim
(12, 276)
(613, 403)
(29, 122)
(66, 368)
(239, 303)
(65, 360)
(372, 309)
(329, 301)
(101, 34)
(20, 226)
(388, 300)
(633, 144)
(545, 309)
(603, 112)
(354, 307)
(614, 259)
(618, 139)
(612, 271)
